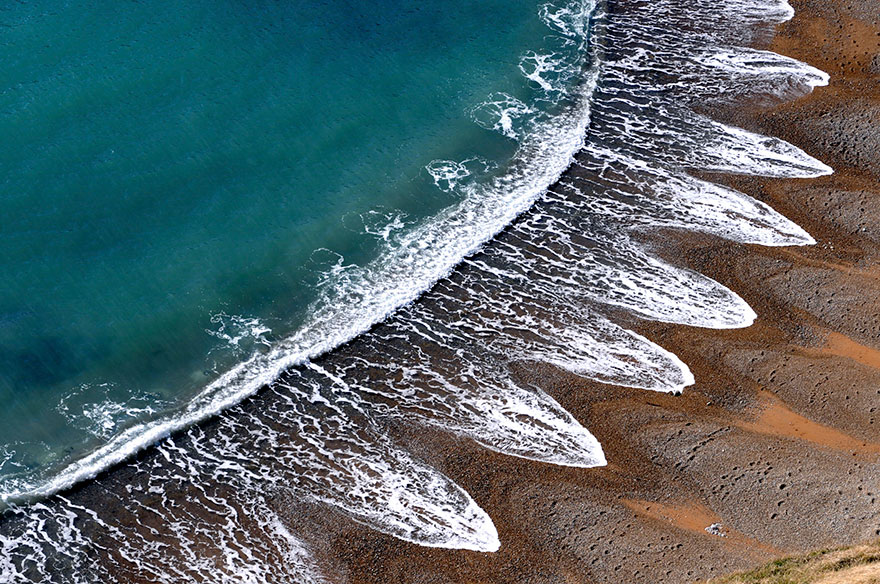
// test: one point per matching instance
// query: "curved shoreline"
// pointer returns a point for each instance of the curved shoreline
(399, 277)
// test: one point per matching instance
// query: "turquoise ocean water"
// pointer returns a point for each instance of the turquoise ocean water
(179, 179)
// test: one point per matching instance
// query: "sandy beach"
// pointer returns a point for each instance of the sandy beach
(777, 445)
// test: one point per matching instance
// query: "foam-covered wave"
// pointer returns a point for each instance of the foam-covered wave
(650, 196)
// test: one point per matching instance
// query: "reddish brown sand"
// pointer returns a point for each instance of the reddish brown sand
(779, 440)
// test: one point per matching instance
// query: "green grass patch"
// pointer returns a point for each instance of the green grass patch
(818, 566)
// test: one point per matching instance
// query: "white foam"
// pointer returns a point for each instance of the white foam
(760, 66)
(96, 409)
(309, 444)
(365, 296)
(233, 329)
(449, 175)
(502, 113)
(536, 66)
(569, 19)
(228, 539)
(466, 392)
(343, 463)
(547, 322)
(650, 196)
(659, 291)
(740, 151)
(383, 224)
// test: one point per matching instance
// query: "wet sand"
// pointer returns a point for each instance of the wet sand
(778, 441)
